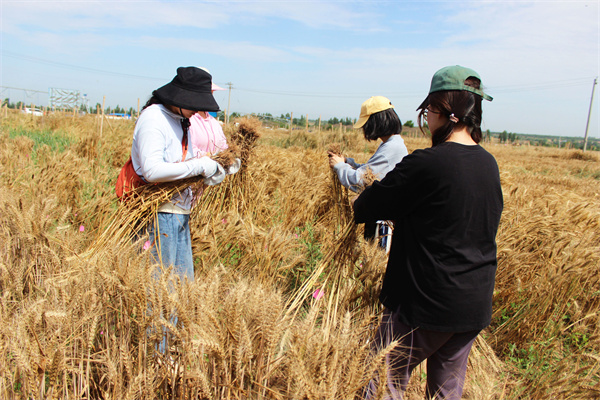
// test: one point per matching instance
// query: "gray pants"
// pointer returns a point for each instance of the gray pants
(447, 354)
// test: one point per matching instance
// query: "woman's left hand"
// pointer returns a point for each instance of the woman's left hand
(234, 167)
(215, 178)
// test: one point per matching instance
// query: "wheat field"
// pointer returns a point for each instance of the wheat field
(285, 297)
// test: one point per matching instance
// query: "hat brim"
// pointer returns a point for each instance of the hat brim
(189, 99)
(361, 122)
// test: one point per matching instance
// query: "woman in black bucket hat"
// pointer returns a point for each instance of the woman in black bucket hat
(190, 89)
(159, 154)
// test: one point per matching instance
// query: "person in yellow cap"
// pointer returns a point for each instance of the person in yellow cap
(446, 202)
(378, 120)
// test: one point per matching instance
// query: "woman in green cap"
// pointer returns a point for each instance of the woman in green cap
(446, 202)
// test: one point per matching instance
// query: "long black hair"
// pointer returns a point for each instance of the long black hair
(152, 100)
(156, 100)
(466, 107)
(185, 122)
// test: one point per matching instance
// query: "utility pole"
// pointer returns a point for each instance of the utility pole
(589, 113)
(229, 84)
(102, 118)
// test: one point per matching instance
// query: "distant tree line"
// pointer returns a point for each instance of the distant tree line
(546, 141)
(283, 121)
(505, 137)
(87, 109)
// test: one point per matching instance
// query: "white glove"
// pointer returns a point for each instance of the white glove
(204, 166)
(217, 177)
(235, 167)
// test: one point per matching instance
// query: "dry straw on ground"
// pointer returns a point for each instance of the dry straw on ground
(264, 242)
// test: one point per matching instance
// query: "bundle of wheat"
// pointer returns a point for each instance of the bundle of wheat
(340, 197)
(246, 135)
(233, 193)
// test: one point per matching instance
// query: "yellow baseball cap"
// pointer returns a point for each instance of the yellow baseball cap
(373, 105)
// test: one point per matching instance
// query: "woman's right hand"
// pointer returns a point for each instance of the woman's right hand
(212, 171)
(204, 166)
(335, 159)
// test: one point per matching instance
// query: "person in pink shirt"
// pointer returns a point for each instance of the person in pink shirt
(207, 138)
(206, 133)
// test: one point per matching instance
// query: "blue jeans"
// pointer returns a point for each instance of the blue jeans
(172, 243)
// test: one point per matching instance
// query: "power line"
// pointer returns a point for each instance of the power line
(77, 67)
(297, 94)
(497, 89)
(313, 94)
(26, 90)
(539, 86)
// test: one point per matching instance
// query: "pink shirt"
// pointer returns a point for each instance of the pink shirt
(206, 135)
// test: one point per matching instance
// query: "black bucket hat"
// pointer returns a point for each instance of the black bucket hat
(190, 89)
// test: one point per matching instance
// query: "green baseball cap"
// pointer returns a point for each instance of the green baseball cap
(453, 78)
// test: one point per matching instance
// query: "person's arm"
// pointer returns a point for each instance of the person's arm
(149, 149)
(353, 178)
(395, 195)
(349, 177)
(220, 139)
(345, 173)
(375, 203)
(350, 161)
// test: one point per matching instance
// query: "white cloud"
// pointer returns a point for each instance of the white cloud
(316, 14)
(86, 15)
(532, 33)
(73, 17)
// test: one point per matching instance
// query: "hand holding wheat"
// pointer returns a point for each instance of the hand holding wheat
(335, 154)
(335, 159)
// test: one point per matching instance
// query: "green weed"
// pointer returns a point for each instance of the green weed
(586, 173)
(312, 254)
(234, 254)
(57, 141)
(529, 360)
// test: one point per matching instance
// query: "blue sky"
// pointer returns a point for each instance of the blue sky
(538, 59)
